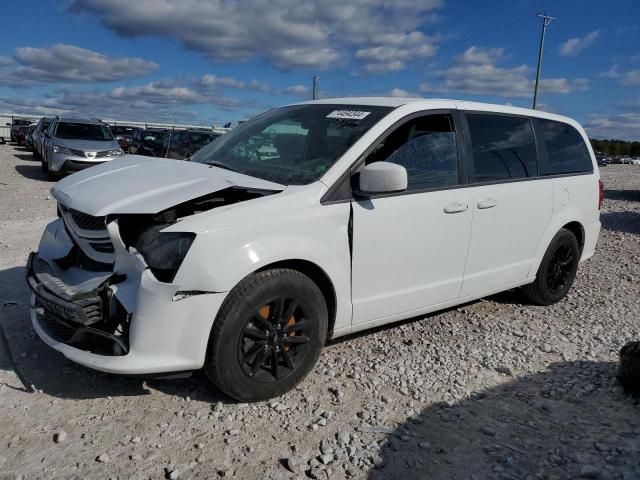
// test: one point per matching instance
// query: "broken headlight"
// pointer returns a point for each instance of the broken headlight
(164, 252)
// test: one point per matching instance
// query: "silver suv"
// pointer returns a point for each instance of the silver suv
(73, 144)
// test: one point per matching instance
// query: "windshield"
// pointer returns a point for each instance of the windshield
(122, 130)
(292, 145)
(157, 136)
(200, 138)
(45, 124)
(83, 131)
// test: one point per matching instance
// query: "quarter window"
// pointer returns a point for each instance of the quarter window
(503, 148)
(566, 150)
(427, 148)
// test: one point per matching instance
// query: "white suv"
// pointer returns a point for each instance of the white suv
(371, 210)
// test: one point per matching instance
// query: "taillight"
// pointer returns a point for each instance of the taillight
(600, 193)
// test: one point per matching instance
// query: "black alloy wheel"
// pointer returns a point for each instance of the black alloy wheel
(274, 340)
(267, 335)
(560, 269)
(557, 270)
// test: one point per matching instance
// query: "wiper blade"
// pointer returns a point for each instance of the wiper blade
(223, 165)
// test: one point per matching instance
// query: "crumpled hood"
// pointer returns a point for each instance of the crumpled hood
(87, 145)
(137, 184)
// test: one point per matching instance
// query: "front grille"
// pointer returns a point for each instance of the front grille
(85, 311)
(103, 247)
(90, 234)
(87, 222)
(102, 154)
(77, 153)
(56, 329)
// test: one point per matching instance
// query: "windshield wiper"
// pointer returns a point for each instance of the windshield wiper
(222, 165)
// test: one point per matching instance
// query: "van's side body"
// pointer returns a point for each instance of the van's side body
(375, 258)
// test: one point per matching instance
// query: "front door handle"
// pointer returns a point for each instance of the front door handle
(487, 203)
(456, 207)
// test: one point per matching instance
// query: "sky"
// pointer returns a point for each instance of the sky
(214, 61)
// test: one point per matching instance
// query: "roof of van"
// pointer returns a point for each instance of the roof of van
(434, 103)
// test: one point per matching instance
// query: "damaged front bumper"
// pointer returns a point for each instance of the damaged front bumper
(121, 320)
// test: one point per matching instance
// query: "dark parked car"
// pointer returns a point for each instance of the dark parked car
(15, 126)
(20, 137)
(123, 134)
(184, 143)
(30, 138)
(151, 142)
(602, 161)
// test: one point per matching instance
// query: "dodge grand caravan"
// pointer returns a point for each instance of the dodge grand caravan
(365, 212)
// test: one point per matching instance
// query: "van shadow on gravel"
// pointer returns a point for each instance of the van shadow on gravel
(572, 420)
(32, 172)
(624, 222)
(42, 368)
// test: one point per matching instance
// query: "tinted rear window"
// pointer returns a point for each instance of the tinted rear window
(566, 150)
(503, 148)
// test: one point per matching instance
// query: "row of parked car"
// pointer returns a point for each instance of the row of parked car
(619, 160)
(65, 145)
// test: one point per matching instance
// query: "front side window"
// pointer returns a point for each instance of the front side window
(427, 148)
(566, 149)
(83, 131)
(291, 145)
(503, 147)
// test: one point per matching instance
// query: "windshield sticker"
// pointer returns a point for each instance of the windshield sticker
(348, 114)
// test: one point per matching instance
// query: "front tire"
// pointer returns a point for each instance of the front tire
(557, 270)
(267, 336)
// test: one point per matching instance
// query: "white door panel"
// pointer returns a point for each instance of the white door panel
(508, 222)
(408, 251)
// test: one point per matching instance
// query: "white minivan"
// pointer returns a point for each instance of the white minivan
(309, 222)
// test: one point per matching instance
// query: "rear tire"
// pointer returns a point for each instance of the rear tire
(267, 335)
(557, 270)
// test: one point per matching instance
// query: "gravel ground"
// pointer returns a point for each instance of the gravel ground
(492, 389)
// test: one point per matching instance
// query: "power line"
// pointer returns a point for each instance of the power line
(546, 20)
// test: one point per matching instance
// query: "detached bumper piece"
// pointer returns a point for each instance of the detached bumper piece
(93, 321)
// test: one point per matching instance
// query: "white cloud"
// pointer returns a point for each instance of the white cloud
(476, 71)
(396, 52)
(630, 77)
(624, 126)
(481, 55)
(297, 89)
(574, 46)
(71, 64)
(400, 93)
(287, 33)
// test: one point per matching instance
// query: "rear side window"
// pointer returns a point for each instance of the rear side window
(427, 147)
(504, 148)
(566, 150)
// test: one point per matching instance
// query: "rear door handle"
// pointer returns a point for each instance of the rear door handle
(487, 203)
(456, 207)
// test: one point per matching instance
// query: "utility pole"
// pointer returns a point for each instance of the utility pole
(314, 88)
(546, 20)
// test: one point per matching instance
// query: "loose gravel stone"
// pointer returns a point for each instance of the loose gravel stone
(60, 437)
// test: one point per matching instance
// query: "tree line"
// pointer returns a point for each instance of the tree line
(616, 147)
